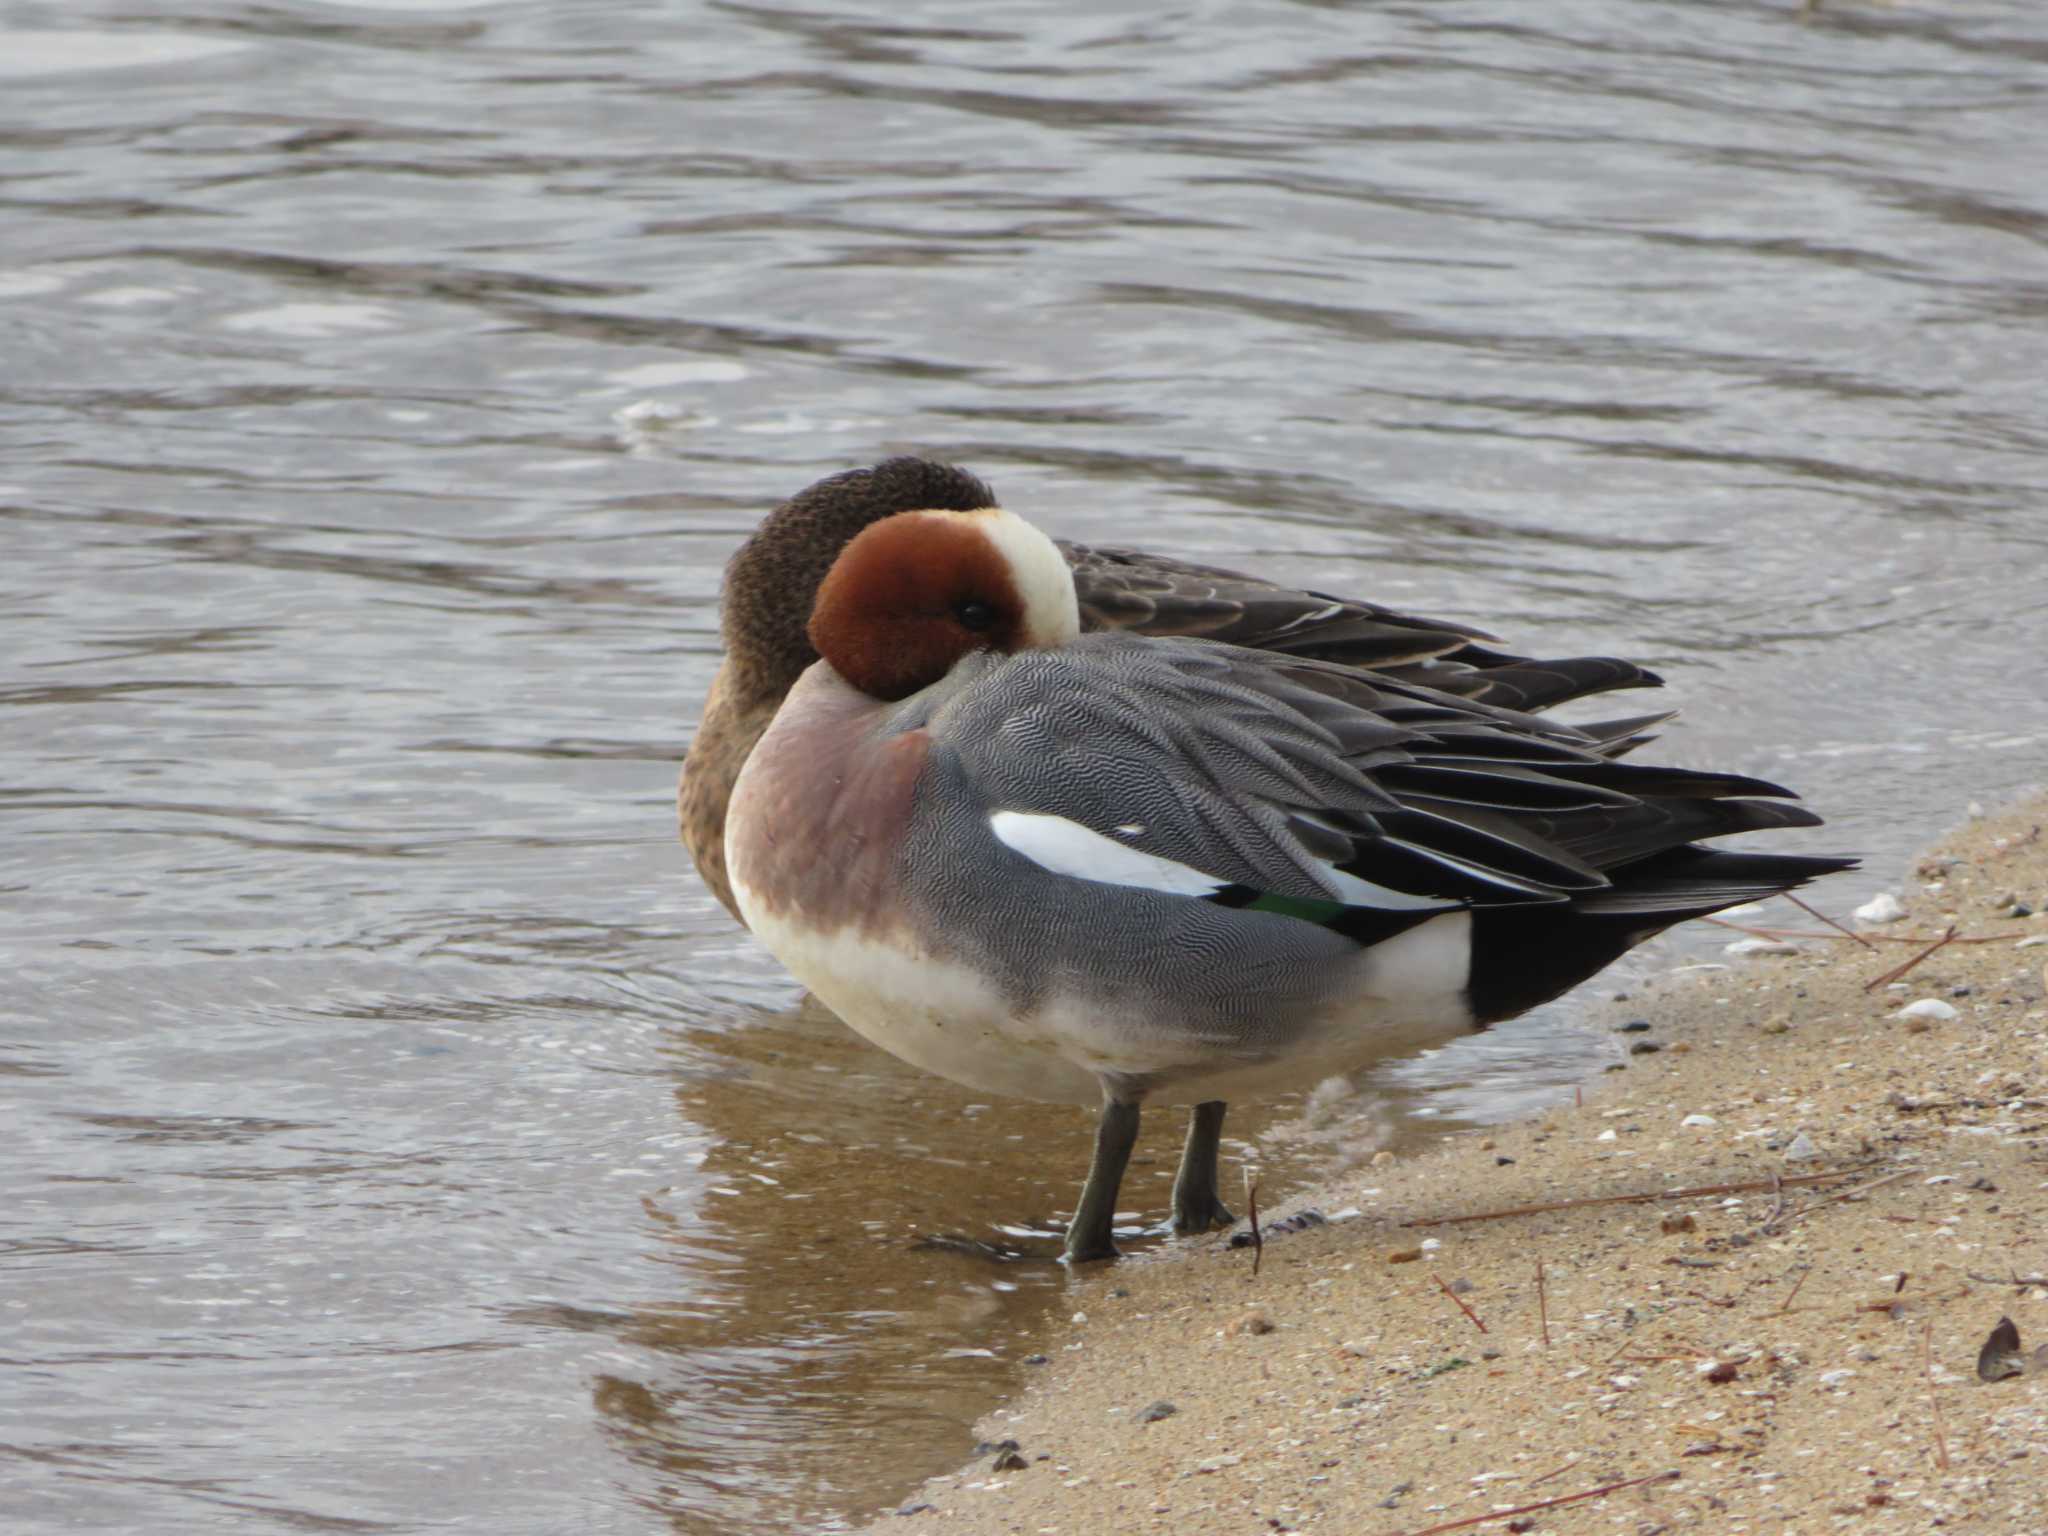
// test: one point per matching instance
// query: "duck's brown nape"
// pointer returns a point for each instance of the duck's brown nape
(771, 581)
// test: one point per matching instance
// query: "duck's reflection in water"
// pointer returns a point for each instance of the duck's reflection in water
(857, 1271)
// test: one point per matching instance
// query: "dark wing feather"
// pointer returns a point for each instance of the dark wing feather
(1148, 594)
(1276, 775)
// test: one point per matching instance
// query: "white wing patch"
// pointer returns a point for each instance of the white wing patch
(1066, 847)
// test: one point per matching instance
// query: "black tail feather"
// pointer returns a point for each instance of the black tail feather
(1522, 956)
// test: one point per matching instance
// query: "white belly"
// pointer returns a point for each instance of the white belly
(934, 1014)
(949, 1020)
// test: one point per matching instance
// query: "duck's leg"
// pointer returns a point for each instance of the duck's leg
(1196, 1207)
(1092, 1233)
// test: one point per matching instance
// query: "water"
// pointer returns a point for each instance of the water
(398, 1138)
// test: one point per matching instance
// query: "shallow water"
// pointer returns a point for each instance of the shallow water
(399, 1137)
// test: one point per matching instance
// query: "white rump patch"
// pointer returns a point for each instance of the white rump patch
(1065, 847)
(1432, 959)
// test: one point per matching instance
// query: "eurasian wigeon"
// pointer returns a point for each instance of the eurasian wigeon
(1105, 868)
(773, 579)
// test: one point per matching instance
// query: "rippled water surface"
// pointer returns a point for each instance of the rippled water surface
(397, 1136)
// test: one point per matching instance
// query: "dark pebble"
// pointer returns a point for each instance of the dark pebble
(1635, 1027)
(1009, 1461)
(1159, 1410)
(995, 1447)
(1644, 1048)
(916, 1509)
(1037, 1359)
(1503, 1162)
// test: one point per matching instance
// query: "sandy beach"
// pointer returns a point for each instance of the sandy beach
(1781, 1234)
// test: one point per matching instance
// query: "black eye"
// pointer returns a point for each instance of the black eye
(973, 614)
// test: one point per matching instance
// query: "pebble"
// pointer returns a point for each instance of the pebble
(1381, 1159)
(1008, 1461)
(1699, 1120)
(2030, 943)
(1634, 1027)
(1404, 1255)
(1159, 1410)
(920, 1507)
(1802, 1149)
(1673, 1225)
(1249, 1322)
(1644, 1048)
(1927, 1008)
(1760, 947)
(1882, 908)
(1217, 1463)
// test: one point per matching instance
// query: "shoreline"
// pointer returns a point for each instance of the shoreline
(1647, 1351)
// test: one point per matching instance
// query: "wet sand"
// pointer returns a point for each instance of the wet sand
(1756, 1359)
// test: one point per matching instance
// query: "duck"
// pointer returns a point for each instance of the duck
(1110, 866)
(771, 581)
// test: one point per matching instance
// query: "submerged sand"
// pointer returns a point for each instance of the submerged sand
(1803, 1358)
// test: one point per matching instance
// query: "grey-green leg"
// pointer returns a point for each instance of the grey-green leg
(1092, 1233)
(1196, 1207)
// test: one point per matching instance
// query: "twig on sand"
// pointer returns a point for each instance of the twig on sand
(1526, 1509)
(1897, 971)
(1439, 1279)
(1542, 1304)
(1870, 940)
(1786, 1304)
(1934, 1401)
(1748, 1186)
(1816, 912)
(1848, 1194)
(1251, 1200)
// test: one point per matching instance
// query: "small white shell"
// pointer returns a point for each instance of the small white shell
(1882, 908)
(1926, 1008)
(1760, 947)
